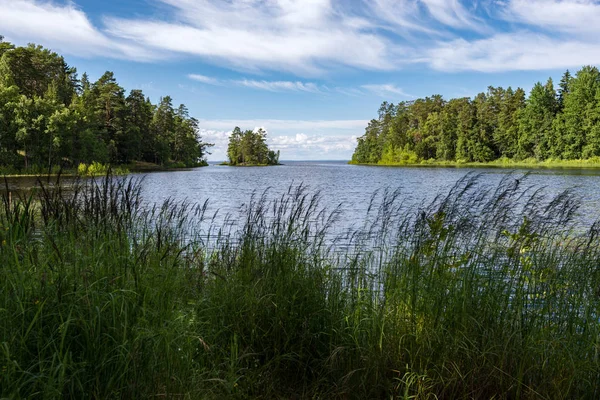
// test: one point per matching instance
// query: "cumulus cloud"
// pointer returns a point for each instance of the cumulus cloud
(319, 143)
(287, 125)
(307, 140)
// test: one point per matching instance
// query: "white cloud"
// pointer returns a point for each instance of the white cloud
(550, 34)
(386, 90)
(216, 137)
(299, 146)
(382, 90)
(312, 37)
(579, 17)
(402, 15)
(278, 86)
(514, 51)
(205, 79)
(323, 144)
(64, 28)
(288, 125)
(297, 140)
(300, 37)
(453, 13)
(271, 86)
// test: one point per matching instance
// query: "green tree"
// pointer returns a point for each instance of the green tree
(563, 89)
(535, 122)
(9, 96)
(32, 69)
(48, 117)
(506, 134)
(109, 109)
(579, 114)
(163, 127)
(481, 145)
(250, 148)
(234, 148)
(136, 136)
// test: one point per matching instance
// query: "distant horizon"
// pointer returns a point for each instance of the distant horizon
(294, 160)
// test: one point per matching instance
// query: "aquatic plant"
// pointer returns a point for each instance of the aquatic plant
(488, 291)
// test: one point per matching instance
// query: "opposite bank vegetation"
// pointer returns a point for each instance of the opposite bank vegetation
(487, 292)
(501, 127)
(52, 119)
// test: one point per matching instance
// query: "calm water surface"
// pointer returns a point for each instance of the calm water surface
(229, 188)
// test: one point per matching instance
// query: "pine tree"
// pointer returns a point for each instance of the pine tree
(564, 89)
(535, 122)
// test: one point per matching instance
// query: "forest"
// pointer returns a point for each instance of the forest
(250, 147)
(501, 124)
(51, 117)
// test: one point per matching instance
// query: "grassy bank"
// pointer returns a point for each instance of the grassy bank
(94, 169)
(500, 163)
(226, 164)
(487, 292)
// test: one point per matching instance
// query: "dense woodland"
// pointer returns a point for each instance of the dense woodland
(250, 148)
(559, 124)
(49, 116)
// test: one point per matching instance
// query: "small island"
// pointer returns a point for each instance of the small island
(249, 148)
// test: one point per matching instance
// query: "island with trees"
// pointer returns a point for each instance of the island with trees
(501, 126)
(249, 148)
(51, 118)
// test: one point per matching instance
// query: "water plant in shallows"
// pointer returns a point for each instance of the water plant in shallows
(487, 291)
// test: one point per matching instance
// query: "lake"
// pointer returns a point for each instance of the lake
(229, 188)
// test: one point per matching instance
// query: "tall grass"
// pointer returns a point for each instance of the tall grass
(487, 292)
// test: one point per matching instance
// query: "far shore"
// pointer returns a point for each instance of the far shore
(503, 163)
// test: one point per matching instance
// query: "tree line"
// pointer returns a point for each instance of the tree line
(250, 147)
(49, 116)
(562, 124)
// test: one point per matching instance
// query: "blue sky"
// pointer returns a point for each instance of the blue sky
(311, 72)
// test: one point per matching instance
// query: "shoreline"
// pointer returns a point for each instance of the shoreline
(70, 173)
(572, 164)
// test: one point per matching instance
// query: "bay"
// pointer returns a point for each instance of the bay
(229, 189)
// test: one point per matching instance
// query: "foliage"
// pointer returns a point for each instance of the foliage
(488, 292)
(97, 169)
(498, 124)
(49, 117)
(250, 148)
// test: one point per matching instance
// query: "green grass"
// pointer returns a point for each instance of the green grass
(488, 292)
(593, 162)
(94, 169)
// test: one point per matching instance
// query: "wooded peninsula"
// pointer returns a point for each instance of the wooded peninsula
(50, 118)
(500, 126)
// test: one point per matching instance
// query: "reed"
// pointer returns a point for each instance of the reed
(486, 292)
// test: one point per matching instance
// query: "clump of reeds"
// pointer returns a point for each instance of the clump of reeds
(488, 291)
